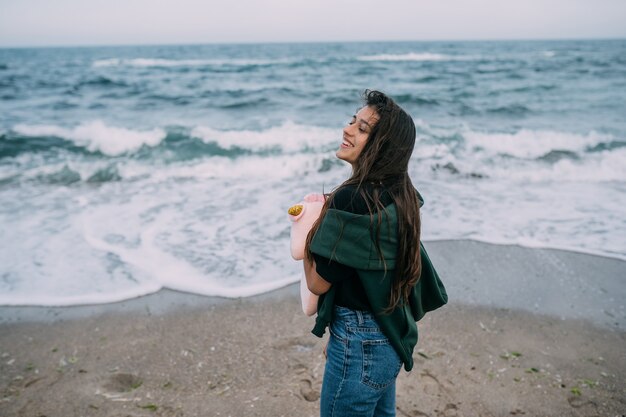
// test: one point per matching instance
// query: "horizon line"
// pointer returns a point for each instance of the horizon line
(275, 42)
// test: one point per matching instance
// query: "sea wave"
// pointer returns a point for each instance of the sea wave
(532, 144)
(74, 173)
(159, 62)
(536, 156)
(515, 109)
(96, 136)
(603, 167)
(169, 144)
(13, 145)
(100, 81)
(524, 155)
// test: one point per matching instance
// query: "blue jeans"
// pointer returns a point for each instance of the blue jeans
(361, 368)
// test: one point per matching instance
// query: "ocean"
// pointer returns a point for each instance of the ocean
(124, 170)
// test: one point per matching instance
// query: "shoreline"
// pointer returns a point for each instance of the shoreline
(553, 282)
(612, 255)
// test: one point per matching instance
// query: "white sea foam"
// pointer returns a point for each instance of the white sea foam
(600, 167)
(490, 154)
(531, 143)
(413, 56)
(167, 270)
(221, 236)
(47, 262)
(289, 137)
(97, 136)
(572, 216)
(214, 236)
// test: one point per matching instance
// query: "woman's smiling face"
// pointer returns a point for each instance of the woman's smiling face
(355, 134)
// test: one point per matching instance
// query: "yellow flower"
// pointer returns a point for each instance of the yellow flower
(295, 209)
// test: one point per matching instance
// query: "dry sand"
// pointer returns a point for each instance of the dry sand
(257, 357)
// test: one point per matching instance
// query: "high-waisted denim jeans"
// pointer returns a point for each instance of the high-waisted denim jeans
(361, 368)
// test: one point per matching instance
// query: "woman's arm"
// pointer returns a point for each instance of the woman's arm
(316, 284)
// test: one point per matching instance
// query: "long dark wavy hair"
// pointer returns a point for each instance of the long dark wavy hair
(383, 166)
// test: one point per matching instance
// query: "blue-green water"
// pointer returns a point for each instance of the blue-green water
(127, 169)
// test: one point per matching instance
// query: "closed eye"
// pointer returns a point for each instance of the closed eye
(362, 128)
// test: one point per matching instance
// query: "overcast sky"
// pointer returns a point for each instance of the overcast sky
(117, 22)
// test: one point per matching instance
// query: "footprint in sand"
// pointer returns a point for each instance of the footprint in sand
(579, 402)
(307, 391)
(122, 382)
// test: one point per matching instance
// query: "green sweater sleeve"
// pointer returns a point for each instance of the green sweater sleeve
(350, 238)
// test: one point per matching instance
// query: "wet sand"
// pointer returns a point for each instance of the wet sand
(173, 354)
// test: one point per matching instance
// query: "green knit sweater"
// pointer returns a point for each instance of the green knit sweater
(349, 239)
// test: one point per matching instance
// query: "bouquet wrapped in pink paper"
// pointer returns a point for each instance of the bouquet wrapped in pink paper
(302, 216)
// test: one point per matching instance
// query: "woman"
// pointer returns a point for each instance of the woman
(365, 260)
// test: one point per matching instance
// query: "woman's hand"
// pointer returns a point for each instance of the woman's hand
(303, 215)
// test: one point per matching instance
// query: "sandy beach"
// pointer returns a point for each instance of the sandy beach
(173, 354)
